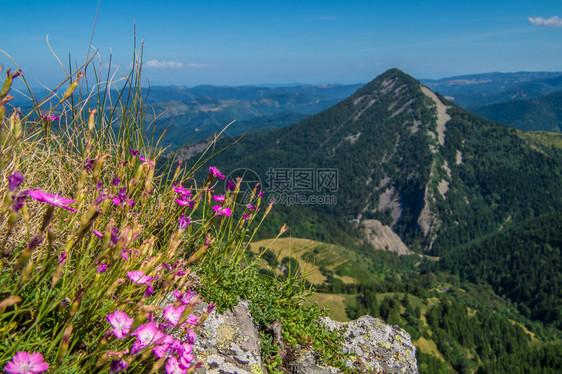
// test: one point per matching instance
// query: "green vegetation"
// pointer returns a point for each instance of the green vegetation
(540, 114)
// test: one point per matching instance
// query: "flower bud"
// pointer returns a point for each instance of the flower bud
(70, 90)
(8, 82)
(91, 119)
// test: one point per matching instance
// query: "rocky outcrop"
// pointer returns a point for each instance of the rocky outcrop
(229, 343)
(382, 237)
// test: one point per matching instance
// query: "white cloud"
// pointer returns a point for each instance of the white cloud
(163, 64)
(197, 66)
(154, 63)
(549, 22)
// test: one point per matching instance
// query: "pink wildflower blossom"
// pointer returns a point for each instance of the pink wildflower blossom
(183, 222)
(220, 210)
(149, 291)
(146, 334)
(173, 366)
(121, 323)
(26, 363)
(230, 185)
(216, 172)
(14, 181)
(219, 198)
(117, 366)
(51, 199)
(246, 216)
(182, 191)
(251, 207)
(102, 268)
(50, 117)
(189, 203)
(173, 314)
(192, 319)
(165, 346)
(184, 298)
(138, 277)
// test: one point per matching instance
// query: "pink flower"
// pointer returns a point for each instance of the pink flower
(184, 298)
(219, 198)
(173, 366)
(216, 172)
(230, 185)
(102, 268)
(189, 203)
(219, 210)
(246, 216)
(183, 222)
(26, 363)
(165, 346)
(146, 334)
(251, 207)
(117, 366)
(149, 291)
(173, 314)
(125, 253)
(50, 117)
(138, 277)
(121, 323)
(51, 199)
(192, 319)
(182, 191)
(14, 181)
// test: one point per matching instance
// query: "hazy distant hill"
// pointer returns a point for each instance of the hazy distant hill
(204, 110)
(475, 90)
(541, 114)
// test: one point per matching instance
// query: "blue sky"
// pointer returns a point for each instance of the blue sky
(260, 42)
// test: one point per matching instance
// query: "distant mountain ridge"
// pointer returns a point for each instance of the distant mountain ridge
(436, 174)
(475, 90)
(539, 114)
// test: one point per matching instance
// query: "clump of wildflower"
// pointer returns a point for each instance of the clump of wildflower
(52, 199)
(26, 363)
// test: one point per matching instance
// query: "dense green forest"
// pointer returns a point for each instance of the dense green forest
(539, 114)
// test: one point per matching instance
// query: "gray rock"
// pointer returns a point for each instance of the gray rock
(376, 347)
(229, 343)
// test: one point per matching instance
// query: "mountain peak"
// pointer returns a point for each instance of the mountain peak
(391, 80)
